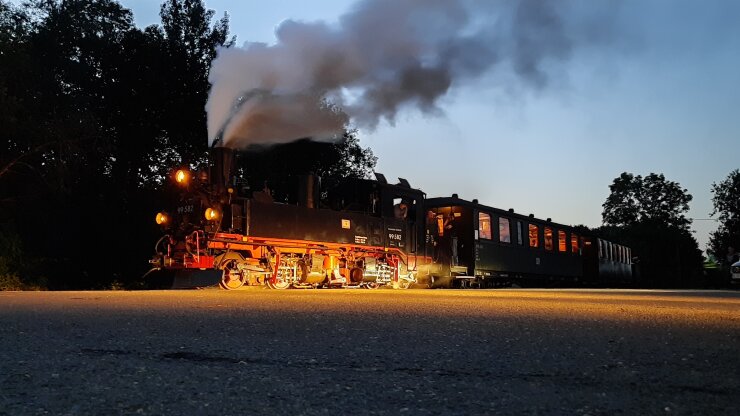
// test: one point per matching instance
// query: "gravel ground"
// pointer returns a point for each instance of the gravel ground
(386, 352)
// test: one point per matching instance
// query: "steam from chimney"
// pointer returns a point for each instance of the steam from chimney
(381, 57)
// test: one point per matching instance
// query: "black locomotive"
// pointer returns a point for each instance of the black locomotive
(362, 233)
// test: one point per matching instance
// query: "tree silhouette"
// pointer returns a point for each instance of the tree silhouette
(726, 201)
(634, 198)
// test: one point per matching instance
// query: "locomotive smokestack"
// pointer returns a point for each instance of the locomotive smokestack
(308, 190)
(222, 167)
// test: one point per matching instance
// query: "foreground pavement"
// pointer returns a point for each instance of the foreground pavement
(545, 352)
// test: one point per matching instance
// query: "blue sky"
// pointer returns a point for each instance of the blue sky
(663, 96)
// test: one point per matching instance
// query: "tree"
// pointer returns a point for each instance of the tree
(90, 105)
(634, 198)
(191, 41)
(648, 214)
(726, 201)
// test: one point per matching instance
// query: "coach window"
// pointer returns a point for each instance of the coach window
(534, 236)
(519, 239)
(562, 242)
(574, 243)
(504, 232)
(548, 239)
(484, 226)
(615, 252)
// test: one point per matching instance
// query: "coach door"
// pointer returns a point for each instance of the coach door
(450, 233)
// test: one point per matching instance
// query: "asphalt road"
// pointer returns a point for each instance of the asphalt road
(388, 352)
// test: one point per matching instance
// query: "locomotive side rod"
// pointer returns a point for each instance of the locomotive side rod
(372, 249)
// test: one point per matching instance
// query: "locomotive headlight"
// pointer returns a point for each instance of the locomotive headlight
(182, 176)
(213, 214)
(162, 218)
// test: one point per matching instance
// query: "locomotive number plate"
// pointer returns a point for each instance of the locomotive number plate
(395, 236)
(185, 209)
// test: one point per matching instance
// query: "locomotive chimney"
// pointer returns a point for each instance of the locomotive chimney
(221, 170)
(308, 190)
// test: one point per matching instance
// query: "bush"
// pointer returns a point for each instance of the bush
(10, 281)
(14, 268)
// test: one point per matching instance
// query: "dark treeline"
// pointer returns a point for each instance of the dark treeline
(649, 215)
(95, 114)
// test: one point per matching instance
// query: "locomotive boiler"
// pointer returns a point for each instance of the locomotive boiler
(363, 233)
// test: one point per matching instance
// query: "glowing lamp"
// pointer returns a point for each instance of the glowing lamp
(182, 176)
(162, 218)
(213, 214)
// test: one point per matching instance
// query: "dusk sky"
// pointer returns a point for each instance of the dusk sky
(652, 86)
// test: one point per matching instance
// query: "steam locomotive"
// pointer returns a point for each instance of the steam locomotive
(362, 233)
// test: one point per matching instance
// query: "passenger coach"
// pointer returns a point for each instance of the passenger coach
(481, 246)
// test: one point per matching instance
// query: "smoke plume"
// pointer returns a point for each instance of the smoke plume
(380, 57)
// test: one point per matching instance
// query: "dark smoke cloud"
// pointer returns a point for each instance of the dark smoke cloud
(381, 56)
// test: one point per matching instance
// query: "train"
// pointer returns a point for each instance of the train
(364, 233)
